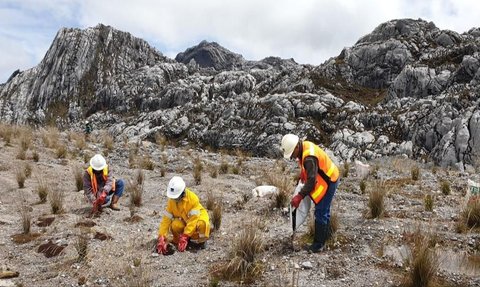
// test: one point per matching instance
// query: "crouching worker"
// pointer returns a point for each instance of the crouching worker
(185, 217)
(100, 187)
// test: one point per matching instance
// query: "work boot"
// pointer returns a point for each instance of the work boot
(320, 237)
(114, 204)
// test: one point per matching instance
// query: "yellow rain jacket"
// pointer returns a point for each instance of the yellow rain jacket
(189, 210)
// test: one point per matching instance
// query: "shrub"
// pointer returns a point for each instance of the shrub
(244, 263)
(78, 176)
(26, 219)
(415, 171)
(471, 214)
(21, 177)
(445, 187)
(56, 198)
(197, 170)
(376, 203)
(428, 202)
(363, 186)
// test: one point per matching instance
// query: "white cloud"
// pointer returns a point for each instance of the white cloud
(310, 31)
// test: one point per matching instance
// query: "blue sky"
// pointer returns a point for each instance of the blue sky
(310, 31)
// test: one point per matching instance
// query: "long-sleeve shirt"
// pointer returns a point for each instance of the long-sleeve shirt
(311, 168)
(101, 183)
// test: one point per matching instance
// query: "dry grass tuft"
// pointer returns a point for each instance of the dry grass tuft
(345, 170)
(78, 176)
(211, 200)
(197, 170)
(26, 139)
(51, 137)
(422, 260)
(161, 140)
(56, 198)
(224, 167)
(42, 189)
(415, 172)
(363, 186)
(81, 245)
(376, 200)
(147, 163)
(108, 142)
(27, 169)
(139, 177)
(21, 177)
(284, 185)
(244, 262)
(217, 216)
(471, 214)
(213, 171)
(61, 151)
(428, 202)
(21, 154)
(445, 187)
(35, 156)
(6, 132)
(26, 219)
(136, 192)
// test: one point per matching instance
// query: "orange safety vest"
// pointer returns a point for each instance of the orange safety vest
(93, 178)
(327, 170)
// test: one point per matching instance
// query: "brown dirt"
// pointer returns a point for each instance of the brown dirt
(45, 221)
(24, 238)
(85, 223)
(50, 249)
(102, 236)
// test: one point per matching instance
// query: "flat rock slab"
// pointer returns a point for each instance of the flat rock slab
(8, 274)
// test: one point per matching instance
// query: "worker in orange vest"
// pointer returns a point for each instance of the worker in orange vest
(320, 178)
(100, 187)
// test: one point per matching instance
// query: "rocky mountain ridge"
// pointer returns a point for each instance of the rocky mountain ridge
(406, 88)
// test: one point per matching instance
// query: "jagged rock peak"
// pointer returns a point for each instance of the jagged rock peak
(399, 28)
(211, 55)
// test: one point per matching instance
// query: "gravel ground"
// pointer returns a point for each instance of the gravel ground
(365, 252)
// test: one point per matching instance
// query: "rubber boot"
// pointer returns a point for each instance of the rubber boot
(320, 237)
(114, 204)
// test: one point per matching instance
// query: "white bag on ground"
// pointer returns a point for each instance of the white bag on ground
(264, 190)
(473, 190)
(300, 214)
(362, 169)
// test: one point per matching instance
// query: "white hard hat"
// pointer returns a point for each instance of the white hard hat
(175, 187)
(86, 122)
(289, 142)
(98, 162)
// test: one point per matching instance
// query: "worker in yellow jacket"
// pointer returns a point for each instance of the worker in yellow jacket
(184, 216)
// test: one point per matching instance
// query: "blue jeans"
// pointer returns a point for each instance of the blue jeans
(322, 209)
(119, 187)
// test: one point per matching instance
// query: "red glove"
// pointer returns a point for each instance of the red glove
(295, 202)
(101, 199)
(182, 242)
(161, 245)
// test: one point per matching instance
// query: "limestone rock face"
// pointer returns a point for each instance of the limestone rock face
(407, 88)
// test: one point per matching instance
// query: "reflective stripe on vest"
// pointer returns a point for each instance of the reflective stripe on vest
(327, 170)
(93, 178)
